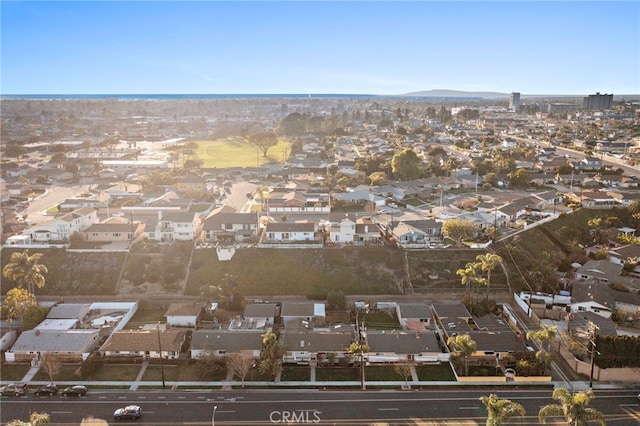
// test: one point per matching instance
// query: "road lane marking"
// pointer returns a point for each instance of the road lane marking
(61, 412)
(388, 409)
(468, 408)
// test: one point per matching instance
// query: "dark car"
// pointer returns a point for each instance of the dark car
(75, 391)
(128, 412)
(16, 389)
(48, 390)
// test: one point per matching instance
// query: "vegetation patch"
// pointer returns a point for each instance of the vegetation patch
(311, 272)
(238, 152)
(435, 373)
(91, 274)
(12, 372)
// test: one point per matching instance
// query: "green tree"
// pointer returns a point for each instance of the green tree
(271, 355)
(18, 303)
(573, 407)
(26, 271)
(406, 165)
(263, 141)
(294, 124)
(521, 177)
(499, 410)
(459, 230)
(377, 178)
(465, 345)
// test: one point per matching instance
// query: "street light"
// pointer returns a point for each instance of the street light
(213, 416)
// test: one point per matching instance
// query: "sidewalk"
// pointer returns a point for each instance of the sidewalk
(229, 384)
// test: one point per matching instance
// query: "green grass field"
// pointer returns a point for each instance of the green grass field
(238, 152)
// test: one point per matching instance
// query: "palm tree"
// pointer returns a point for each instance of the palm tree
(572, 407)
(468, 276)
(488, 262)
(545, 334)
(25, 270)
(499, 410)
(464, 344)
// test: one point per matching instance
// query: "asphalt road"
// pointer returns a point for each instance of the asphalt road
(266, 407)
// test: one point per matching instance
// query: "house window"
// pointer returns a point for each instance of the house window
(285, 235)
(228, 226)
(116, 234)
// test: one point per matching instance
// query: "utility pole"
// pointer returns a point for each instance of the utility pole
(161, 360)
(593, 329)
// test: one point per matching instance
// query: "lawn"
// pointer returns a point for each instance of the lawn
(238, 152)
(104, 372)
(11, 372)
(146, 314)
(295, 374)
(181, 372)
(341, 374)
(435, 373)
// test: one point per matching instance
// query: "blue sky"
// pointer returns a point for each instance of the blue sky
(362, 47)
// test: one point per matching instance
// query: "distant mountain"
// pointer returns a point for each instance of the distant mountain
(458, 94)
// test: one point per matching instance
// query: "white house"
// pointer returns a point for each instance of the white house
(60, 228)
(343, 231)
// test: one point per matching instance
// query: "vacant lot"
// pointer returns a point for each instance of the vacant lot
(238, 152)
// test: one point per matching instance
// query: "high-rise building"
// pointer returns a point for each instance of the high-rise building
(514, 102)
(597, 102)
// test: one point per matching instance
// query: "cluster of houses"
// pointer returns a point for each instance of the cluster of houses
(73, 331)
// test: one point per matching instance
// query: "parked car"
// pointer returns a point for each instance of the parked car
(48, 390)
(128, 412)
(77, 390)
(16, 389)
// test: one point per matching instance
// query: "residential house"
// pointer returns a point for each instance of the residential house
(305, 346)
(73, 346)
(494, 345)
(367, 232)
(298, 234)
(451, 319)
(223, 343)
(414, 316)
(599, 270)
(627, 301)
(582, 325)
(71, 204)
(60, 228)
(298, 202)
(342, 231)
(310, 312)
(191, 186)
(588, 163)
(230, 227)
(151, 343)
(175, 226)
(593, 296)
(596, 199)
(183, 314)
(260, 315)
(110, 232)
(395, 346)
(620, 255)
